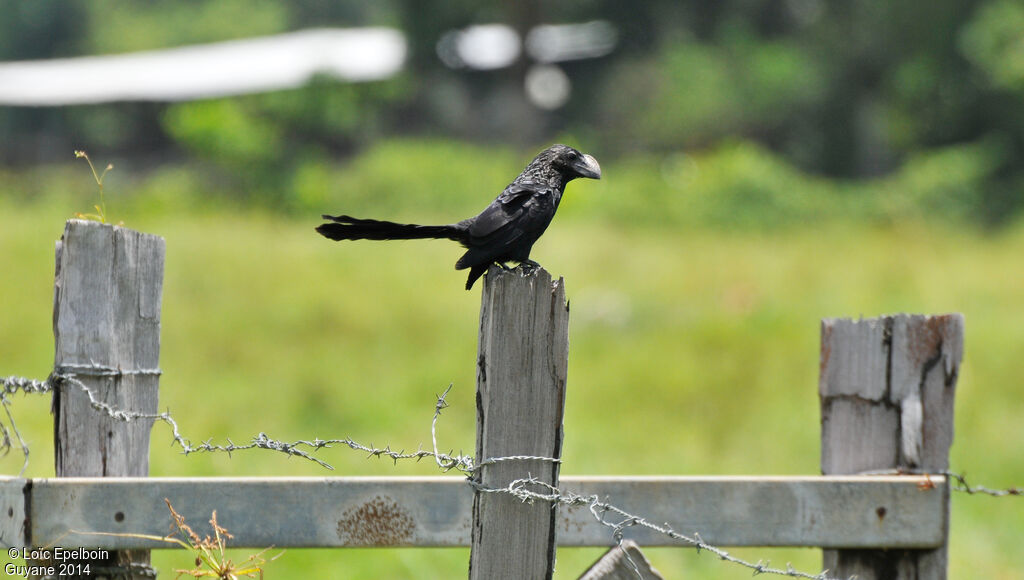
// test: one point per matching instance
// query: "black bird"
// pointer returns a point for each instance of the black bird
(505, 231)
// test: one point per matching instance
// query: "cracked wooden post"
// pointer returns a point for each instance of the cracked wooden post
(106, 325)
(887, 386)
(521, 372)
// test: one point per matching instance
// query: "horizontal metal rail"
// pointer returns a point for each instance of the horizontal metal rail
(830, 512)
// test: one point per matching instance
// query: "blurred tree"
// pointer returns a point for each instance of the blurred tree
(35, 30)
(993, 41)
(847, 90)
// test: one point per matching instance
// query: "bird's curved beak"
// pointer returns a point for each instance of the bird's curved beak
(587, 166)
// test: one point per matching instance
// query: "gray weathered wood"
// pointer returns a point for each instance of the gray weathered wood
(625, 562)
(765, 511)
(106, 314)
(834, 511)
(13, 522)
(887, 388)
(521, 372)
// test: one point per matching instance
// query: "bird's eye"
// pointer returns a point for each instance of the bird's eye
(573, 156)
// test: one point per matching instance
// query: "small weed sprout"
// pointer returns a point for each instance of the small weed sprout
(101, 208)
(210, 559)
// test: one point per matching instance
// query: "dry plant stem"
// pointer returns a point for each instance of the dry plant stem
(101, 209)
(210, 558)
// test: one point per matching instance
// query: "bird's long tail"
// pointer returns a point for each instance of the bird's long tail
(343, 227)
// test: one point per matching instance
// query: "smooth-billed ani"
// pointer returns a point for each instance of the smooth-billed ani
(504, 231)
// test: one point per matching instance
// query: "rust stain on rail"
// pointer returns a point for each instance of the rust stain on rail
(378, 522)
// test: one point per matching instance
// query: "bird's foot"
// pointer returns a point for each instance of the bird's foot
(503, 266)
(529, 266)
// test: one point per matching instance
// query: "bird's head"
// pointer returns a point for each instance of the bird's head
(572, 164)
(566, 162)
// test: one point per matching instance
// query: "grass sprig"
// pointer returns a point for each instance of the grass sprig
(211, 561)
(101, 208)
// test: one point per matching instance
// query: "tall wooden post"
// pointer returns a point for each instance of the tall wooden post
(521, 372)
(887, 386)
(106, 324)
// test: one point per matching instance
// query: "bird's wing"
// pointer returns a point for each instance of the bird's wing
(502, 217)
(519, 189)
(516, 217)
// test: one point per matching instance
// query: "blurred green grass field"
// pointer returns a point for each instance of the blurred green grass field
(692, 351)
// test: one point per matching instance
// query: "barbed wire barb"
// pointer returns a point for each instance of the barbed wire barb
(960, 480)
(962, 485)
(12, 385)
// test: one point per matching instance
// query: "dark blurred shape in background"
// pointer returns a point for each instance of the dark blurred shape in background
(845, 91)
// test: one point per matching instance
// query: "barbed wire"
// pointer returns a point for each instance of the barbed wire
(599, 509)
(12, 385)
(527, 490)
(961, 484)
(299, 448)
(445, 461)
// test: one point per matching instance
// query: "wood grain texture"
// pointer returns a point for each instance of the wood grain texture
(106, 313)
(521, 374)
(328, 512)
(887, 387)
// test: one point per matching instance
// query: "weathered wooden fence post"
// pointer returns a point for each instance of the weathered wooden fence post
(106, 324)
(887, 386)
(521, 372)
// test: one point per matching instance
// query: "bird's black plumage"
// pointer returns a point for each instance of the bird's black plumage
(504, 231)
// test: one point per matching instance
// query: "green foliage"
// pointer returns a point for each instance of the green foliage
(943, 182)
(431, 178)
(736, 185)
(713, 91)
(328, 109)
(849, 92)
(224, 132)
(994, 40)
(260, 146)
(698, 92)
(127, 26)
(743, 186)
